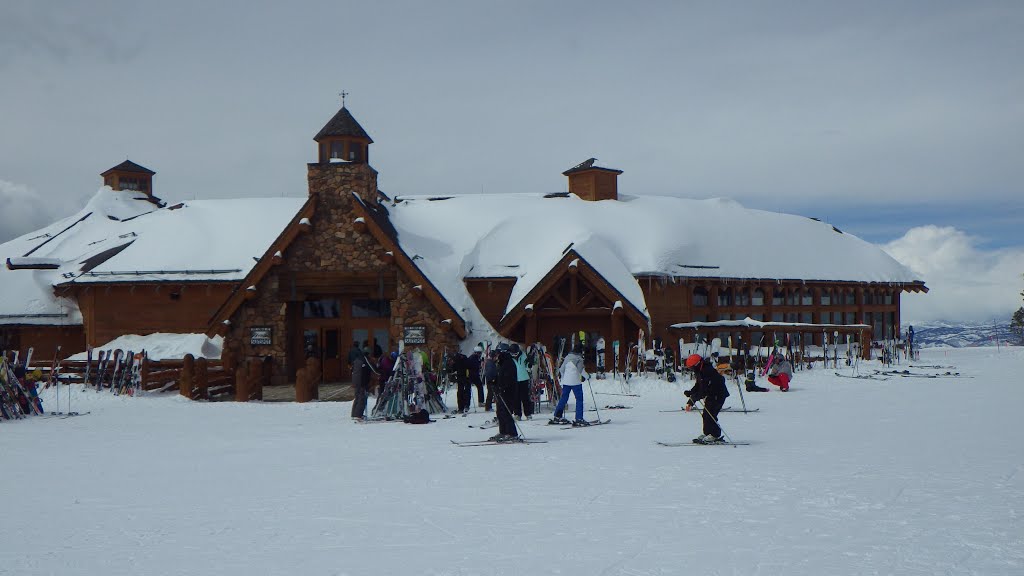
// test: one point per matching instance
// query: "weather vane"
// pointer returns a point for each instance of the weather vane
(342, 94)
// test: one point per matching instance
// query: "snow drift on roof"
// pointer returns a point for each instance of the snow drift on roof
(121, 236)
(524, 235)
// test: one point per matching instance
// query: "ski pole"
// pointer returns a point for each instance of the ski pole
(592, 397)
(740, 388)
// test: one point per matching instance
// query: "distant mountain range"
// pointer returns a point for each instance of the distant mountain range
(963, 335)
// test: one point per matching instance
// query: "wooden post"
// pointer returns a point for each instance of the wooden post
(303, 393)
(202, 379)
(143, 373)
(185, 380)
(242, 383)
(313, 369)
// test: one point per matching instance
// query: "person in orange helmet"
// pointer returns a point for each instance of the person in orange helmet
(709, 386)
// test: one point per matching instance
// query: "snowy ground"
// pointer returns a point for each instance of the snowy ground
(905, 476)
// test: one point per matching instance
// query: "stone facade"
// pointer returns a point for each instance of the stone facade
(333, 248)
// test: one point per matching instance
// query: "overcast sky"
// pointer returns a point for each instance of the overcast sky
(882, 118)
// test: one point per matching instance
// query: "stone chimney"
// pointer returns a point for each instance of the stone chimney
(592, 183)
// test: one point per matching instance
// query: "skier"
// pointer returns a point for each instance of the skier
(523, 405)
(572, 373)
(781, 372)
(490, 378)
(361, 370)
(460, 370)
(506, 390)
(709, 387)
(474, 364)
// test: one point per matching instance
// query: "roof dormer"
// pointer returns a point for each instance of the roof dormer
(129, 176)
(591, 182)
(342, 139)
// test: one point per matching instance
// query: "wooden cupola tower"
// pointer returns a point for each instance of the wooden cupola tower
(591, 182)
(129, 176)
(342, 139)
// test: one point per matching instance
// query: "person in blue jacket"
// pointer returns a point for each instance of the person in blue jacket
(523, 405)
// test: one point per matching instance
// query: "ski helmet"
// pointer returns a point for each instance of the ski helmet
(693, 360)
(514, 349)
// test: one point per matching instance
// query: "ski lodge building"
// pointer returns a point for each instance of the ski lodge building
(292, 278)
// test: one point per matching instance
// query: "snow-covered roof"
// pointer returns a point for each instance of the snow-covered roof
(122, 237)
(524, 235)
(162, 346)
(749, 322)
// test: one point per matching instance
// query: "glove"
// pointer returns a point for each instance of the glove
(688, 407)
(686, 393)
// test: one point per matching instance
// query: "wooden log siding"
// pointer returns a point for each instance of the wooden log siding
(672, 301)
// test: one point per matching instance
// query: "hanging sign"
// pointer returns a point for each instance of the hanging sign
(415, 334)
(261, 335)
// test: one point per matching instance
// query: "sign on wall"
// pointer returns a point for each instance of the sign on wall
(414, 334)
(261, 335)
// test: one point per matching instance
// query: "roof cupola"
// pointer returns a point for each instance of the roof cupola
(129, 176)
(342, 139)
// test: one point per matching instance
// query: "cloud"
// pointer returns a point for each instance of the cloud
(24, 210)
(967, 284)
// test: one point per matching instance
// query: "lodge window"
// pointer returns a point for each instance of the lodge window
(806, 318)
(792, 298)
(758, 298)
(826, 317)
(792, 317)
(743, 297)
(826, 297)
(321, 308)
(354, 152)
(700, 318)
(777, 317)
(725, 297)
(338, 150)
(700, 297)
(869, 297)
(887, 298)
(851, 318)
(849, 299)
(778, 297)
(131, 184)
(371, 308)
(806, 299)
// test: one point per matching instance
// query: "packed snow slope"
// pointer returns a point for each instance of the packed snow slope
(843, 476)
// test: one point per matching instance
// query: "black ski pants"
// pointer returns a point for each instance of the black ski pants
(524, 403)
(464, 393)
(474, 380)
(712, 406)
(359, 402)
(489, 403)
(506, 424)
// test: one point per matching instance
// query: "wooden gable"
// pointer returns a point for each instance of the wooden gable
(570, 289)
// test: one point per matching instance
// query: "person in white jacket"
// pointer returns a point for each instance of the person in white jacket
(571, 374)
